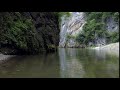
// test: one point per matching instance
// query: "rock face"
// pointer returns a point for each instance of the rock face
(28, 32)
(73, 25)
(112, 25)
(70, 27)
(46, 24)
(99, 41)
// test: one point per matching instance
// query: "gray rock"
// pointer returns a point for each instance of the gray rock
(71, 26)
(112, 25)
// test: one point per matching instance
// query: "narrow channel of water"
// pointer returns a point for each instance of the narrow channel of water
(66, 63)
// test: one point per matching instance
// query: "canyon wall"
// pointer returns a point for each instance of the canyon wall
(28, 32)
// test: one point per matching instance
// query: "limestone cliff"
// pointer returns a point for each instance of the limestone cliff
(102, 28)
(70, 28)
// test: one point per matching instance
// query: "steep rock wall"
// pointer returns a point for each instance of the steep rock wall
(28, 32)
(73, 25)
(70, 28)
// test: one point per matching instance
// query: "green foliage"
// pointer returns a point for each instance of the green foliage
(116, 16)
(18, 31)
(67, 14)
(95, 27)
(91, 29)
(81, 38)
(68, 36)
(60, 14)
(94, 15)
(112, 37)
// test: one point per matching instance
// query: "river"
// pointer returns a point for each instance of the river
(66, 63)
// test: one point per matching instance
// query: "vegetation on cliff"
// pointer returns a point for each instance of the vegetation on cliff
(33, 32)
(27, 32)
(61, 14)
(95, 27)
(18, 32)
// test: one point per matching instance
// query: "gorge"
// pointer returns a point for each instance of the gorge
(59, 44)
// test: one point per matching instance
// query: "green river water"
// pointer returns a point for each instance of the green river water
(66, 63)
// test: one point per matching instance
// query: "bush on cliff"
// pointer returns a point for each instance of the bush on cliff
(95, 27)
(18, 32)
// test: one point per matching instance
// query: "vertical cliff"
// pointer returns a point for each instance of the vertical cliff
(82, 29)
(70, 27)
(28, 32)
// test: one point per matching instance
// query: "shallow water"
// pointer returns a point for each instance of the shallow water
(66, 63)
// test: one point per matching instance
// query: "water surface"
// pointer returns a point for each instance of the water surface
(66, 63)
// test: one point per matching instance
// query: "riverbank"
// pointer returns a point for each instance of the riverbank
(5, 57)
(110, 49)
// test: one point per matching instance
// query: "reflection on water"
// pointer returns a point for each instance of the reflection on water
(70, 67)
(66, 63)
(85, 63)
(31, 66)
